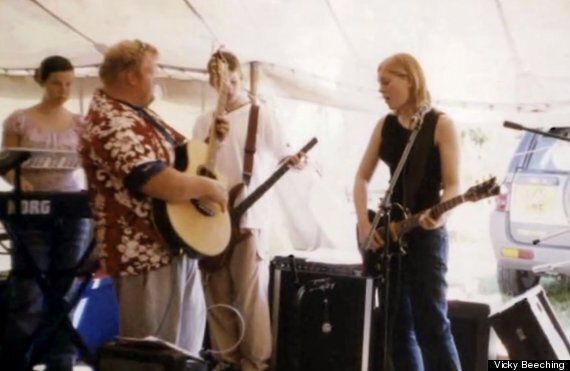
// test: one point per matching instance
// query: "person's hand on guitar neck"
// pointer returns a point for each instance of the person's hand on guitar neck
(297, 162)
(428, 222)
(363, 232)
(222, 127)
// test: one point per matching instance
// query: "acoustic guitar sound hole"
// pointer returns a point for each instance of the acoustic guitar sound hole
(202, 208)
(204, 171)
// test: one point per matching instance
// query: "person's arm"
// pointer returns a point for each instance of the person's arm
(171, 185)
(124, 150)
(363, 175)
(11, 139)
(447, 140)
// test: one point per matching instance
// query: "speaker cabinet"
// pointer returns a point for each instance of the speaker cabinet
(529, 329)
(321, 316)
(145, 355)
(4, 299)
(471, 332)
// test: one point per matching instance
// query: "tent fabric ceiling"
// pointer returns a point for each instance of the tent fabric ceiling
(501, 51)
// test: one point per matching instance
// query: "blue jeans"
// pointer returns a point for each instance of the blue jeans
(55, 245)
(421, 332)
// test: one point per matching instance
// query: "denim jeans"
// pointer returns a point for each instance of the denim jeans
(420, 329)
(55, 245)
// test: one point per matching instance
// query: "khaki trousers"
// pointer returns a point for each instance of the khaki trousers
(167, 303)
(243, 285)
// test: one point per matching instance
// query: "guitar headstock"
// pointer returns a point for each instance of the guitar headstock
(219, 71)
(483, 190)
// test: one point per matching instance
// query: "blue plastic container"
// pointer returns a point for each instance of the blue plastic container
(96, 316)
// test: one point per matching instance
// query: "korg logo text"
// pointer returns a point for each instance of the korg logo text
(31, 207)
(36, 207)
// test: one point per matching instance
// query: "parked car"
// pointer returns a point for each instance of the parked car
(530, 227)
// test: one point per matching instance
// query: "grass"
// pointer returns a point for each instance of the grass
(558, 291)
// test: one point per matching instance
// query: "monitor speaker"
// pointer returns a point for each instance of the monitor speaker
(321, 316)
(471, 331)
(529, 329)
(4, 300)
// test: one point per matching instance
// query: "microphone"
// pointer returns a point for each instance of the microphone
(512, 125)
(10, 159)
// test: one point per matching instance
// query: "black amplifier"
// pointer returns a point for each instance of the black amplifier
(529, 329)
(321, 316)
(4, 299)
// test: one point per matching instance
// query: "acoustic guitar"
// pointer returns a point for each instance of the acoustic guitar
(198, 227)
(212, 264)
(402, 222)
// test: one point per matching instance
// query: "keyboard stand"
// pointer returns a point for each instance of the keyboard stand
(61, 321)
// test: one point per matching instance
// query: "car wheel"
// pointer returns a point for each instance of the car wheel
(515, 282)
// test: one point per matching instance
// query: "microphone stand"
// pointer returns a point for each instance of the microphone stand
(515, 126)
(550, 267)
(552, 235)
(384, 213)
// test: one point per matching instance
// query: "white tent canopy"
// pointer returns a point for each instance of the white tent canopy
(485, 52)
(316, 61)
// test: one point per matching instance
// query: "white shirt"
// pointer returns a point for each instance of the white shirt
(270, 146)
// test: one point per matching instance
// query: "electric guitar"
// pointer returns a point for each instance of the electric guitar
(198, 227)
(403, 223)
(212, 264)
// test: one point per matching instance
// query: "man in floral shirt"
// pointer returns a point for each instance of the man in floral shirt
(127, 152)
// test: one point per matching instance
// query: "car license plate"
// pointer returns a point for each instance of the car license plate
(533, 202)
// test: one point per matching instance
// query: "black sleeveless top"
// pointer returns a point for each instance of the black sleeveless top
(420, 184)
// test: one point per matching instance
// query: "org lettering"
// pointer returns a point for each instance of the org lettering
(36, 207)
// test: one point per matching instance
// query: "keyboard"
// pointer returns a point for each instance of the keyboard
(45, 204)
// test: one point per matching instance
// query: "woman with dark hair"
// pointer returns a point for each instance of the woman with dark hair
(52, 245)
(420, 329)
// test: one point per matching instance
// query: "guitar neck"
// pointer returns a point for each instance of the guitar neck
(213, 137)
(212, 149)
(240, 209)
(412, 222)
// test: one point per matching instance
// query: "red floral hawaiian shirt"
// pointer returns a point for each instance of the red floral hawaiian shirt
(121, 150)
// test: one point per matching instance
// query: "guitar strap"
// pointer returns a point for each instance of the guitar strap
(147, 117)
(250, 143)
(415, 170)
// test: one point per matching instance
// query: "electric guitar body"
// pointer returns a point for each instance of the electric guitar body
(212, 264)
(372, 259)
(401, 222)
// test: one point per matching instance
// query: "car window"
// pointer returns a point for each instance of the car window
(551, 154)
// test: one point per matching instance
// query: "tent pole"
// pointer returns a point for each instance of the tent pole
(203, 97)
(253, 78)
(81, 108)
